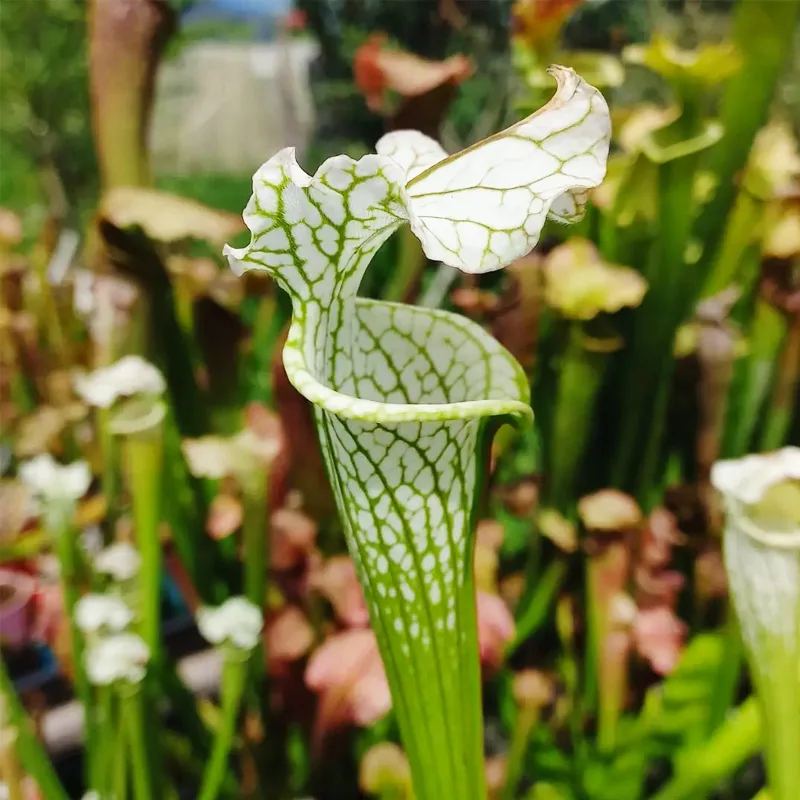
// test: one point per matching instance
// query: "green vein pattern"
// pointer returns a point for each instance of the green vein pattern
(401, 392)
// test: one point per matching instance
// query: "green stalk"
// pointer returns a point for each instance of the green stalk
(762, 564)
(120, 764)
(607, 574)
(234, 678)
(184, 295)
(140, 424)
(22, 391)
(650, 361)
(738, 740)
(185, 706)
(422, 606)
(143, 452)
(740, 233)
(570, 673)
(728, 676)
(266, 331)
(106, 736)
(256, 558)
(613, 686)
(196, 746)
(764, 33)
(534, 610)
(781, 407)
(778, 690)
(618, 242)
(47, 307)
(527, 720)
(30, 750)
(104, 356)
(609, 231)
(411, 262)
(753, 377)
(126, 42)
(185, 509)
(110, 455)
(64, 540)
(254, 531)
(583, 366)
(272, 316)
(137, 741)
(648, 485)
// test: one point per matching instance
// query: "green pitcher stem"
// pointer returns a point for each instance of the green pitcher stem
(234, 677)
(134, 713)
(119, 778)
(143, 455)
(106, 728)
(411, 262)
(729, 674)
(65, 540)
(30, 750)
(781, 410)
(126, 43)
(730, 267)
(764, 572)
(109, 481)
(650, 360)
(270, 322)
(256, 562)
(413, 549)
(607, 575)
(527, 720)
(753, 377)
(255, 538)
(142, 445)
(778, 690)
(581, 375)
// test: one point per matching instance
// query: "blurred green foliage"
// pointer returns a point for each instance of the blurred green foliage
(45, 95)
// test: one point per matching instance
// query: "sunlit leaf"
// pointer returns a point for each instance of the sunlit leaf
(167, 217)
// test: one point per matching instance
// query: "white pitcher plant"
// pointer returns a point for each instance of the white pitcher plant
(761, 496)
(402, 394)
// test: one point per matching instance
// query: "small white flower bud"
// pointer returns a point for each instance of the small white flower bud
(129, 376)
(120, 560)
(122, 657)
(98, 612)
(237, 623)
(52, 482)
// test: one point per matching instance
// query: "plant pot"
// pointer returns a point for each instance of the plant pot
(16, 608)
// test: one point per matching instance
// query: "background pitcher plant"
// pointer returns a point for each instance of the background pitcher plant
(402, 394)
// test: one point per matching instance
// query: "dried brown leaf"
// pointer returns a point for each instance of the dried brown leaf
(166, 217)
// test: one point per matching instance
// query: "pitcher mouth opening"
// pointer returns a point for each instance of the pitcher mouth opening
(784, 538)
(351, 406)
